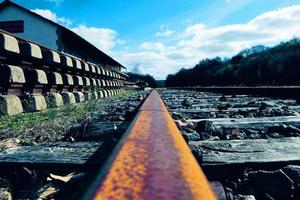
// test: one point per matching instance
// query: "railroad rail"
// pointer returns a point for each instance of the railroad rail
(152, 161)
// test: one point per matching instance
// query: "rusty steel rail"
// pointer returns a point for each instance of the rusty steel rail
(152, 161)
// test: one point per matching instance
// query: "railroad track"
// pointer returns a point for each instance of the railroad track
(201, 145)
(152, 161)
(110, 164)
(247, 146)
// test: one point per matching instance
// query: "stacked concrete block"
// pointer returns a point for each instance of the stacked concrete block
(30, 51)
(98, 84)
(54, 99)
(33, 77)
(105, 93)
(103, 83)
(102, 71)
(34, 103)
(86, 84)
(51, 57)
(68, 98)
(79, 97)
(68, 82)
(98, 71)
(88, 95)
(107, 83)
(106, 72)
(100, 94)
(55, 81)
(8, 45)
(77, 63)
(94, 95)
(78, 82)
(55, 85)
(36, 81)
(86, 67)
(67, 62)
(12, 79)
(93, 68)
(10, 105)
(108, 93)
(93, 83)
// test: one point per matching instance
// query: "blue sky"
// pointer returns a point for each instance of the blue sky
(161, 36)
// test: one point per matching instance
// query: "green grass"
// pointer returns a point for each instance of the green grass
(50, 124)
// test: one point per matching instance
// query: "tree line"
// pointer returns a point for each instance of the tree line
(141, 79)
(259, 65)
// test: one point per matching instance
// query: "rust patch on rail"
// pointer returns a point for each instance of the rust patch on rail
(154, 162)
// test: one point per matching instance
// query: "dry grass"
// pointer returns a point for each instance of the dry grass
(50, 125)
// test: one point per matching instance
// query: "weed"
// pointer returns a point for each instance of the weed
(51, 124)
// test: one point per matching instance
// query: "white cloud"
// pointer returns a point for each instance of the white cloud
(46, 13)
(196, 28)
(165, 31)
(150, 62)
(198, 41)
(267, 29)
(103, 38)
(195, 42)
(157, 46)
(53, 17)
